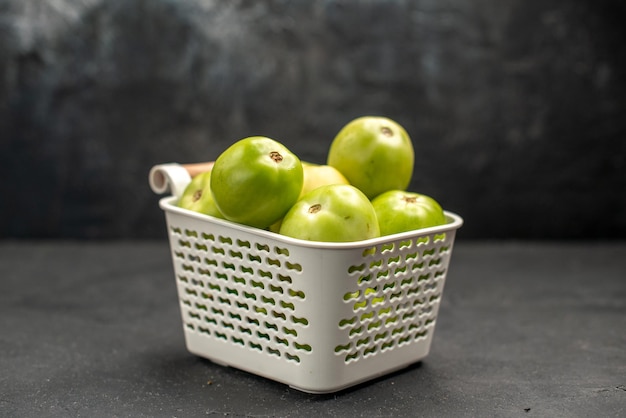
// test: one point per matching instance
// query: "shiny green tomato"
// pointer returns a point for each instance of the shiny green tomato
(197, 196)
(255, 181)
(332, 213)
(374, 153)
(401, 211)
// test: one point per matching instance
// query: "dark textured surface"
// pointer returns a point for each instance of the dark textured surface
(515, 108)
(524, 330)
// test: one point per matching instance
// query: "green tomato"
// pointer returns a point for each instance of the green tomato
(332, 213)
(374, 153)
(255, 181)
(401, 211)
(197, 196)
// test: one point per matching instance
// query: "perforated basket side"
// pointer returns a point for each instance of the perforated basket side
(319, 318)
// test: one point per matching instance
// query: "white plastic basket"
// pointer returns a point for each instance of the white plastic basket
(319, 317)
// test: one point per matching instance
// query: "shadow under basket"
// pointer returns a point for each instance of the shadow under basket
(319, 317)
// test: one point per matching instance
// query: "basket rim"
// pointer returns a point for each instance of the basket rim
(454, 222)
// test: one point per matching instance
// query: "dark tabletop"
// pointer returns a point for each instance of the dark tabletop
(524, 329)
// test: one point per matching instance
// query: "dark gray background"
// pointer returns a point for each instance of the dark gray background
(516, 108)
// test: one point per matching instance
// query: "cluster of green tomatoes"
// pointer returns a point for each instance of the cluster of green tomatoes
(360, 193)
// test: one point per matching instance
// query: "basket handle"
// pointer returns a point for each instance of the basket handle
(175, 177)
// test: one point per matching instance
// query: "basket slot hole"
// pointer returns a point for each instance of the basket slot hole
(204, 330)
(374, 325)
(242, 305)
(360, 305)
(256, 284)
(340, 348)
(423, 277)
(292, 357)
(346, 322)
(369, 251)
(413, 291)
(405, 244)
(434, 262)
(352, 295)
(175, 230)
(184, 243)
(273, 351)
(225, 240)
(209, 237)
(356, 331)
(249, 295)
(363, 341)
(254, 258)
(428, 252)
(282, 341)
(296, 293)
(281, 251)
(204, 272)
(218, 250)
(201, 247)
(276, 289)
(365, 279)
(270, 301)
(367, 316)
(191, 233)
(359, 268)
(384, 312)
(272, 262)
(440, 237)
(237, 340)
(290, 331)
(252, 321)
(400, 270)
(287, 305)
(260, 309)
(245, 269)
(297, 320)
(422, 241)
(210, 262)
(439, 273)
(245, 330)
(242, 243)
(382, 274)
(221, 335)
(393, 260)
(369, 351)
(391, 320)
(236, 254)
(265, 274)
(389, 286)
(417, 266)
(376, 263)
(293, 266)
(381, 336)
(352, 356)
(286, 279)
(263, 335)
(303, 347)
(387, 247)
(231, 291)
(270, 326)
(263, 247)
(239, 280)
(179, 254)
(280, 315)
(255, 346)
(228, 266)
